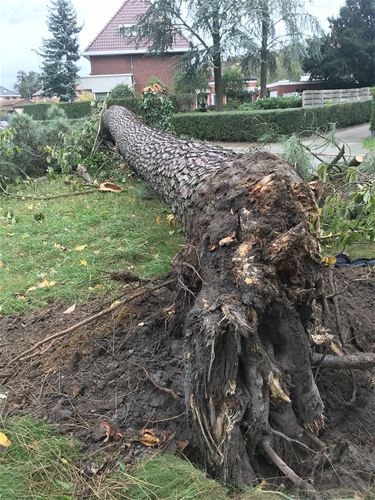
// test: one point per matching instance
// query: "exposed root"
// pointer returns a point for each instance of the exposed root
(357, 361)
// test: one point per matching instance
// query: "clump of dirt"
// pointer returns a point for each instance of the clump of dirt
(127, 371)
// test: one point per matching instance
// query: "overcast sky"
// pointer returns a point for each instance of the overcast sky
(23, 25)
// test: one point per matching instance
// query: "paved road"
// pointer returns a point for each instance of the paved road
(352, 138)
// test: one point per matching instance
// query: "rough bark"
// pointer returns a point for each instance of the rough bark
(246, 285)
(264, 50)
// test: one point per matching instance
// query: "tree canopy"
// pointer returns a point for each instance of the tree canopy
(277, 29)
(347, 53)
(28, 83)
(60, 52)
(210, 27)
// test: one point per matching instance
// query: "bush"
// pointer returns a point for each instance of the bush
(25, 145)
(157, 107)
(372, 125)
(121, 91)
(253, 125)
(76, 110)
(274, 103)
(133, 104)
(183, 103)
(72, 109)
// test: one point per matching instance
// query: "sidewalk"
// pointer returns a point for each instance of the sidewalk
(352, 138)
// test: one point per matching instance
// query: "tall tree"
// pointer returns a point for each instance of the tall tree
(347, 55)
(60, 52)
(276, 28)
(208, 25)
(245, 297)
(28, 83)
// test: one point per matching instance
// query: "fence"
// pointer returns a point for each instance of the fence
(334, 96)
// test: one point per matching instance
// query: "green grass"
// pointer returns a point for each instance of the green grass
(38, 241)
(369, 143)
(39, 464)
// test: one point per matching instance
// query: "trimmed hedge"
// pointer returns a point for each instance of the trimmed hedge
(78, 109)
(252, 125)
(274, 103)
(72, 110)
(372, 125)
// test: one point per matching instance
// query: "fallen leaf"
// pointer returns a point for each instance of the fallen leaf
(110, 186)
(4, 441)
(149, 438)
(171, 219)
(329, 260)
(158, 219)
(46, 284)
(181, 445)
(2, 263)
(80, 248)
(111, 431)
(59, 247)
(83, 262)
(214, 247)
(115, 304)
(70, 309)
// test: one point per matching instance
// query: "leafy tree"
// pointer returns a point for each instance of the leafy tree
(233, 83)
(276, 29)
(190, 79)
(60, 53)
(210, 26)
(28, 83)
(347, 55)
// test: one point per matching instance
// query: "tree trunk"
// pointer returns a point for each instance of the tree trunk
(216, 59)
(264, 50)
(246, 283)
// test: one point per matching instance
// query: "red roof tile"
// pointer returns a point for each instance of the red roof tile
(109, 38)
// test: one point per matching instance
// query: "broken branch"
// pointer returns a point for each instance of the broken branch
(359, 361)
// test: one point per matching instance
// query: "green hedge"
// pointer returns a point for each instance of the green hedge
(252, 125)
(274, 103)
(75, 110)
(372, 126)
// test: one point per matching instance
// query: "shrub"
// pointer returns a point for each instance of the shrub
(183, 103)
(233, 83)
(274, 103)
(121, 91)
(25, 145)
(372, 125)
(133, 104)
(253, 125)
(86, 96)
(157, 107)
(72, 110)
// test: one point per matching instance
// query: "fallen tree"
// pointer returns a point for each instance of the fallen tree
(247, 283)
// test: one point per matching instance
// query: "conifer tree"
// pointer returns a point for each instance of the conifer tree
(60, 52)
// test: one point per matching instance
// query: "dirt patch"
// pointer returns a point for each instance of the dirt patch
(128, 370)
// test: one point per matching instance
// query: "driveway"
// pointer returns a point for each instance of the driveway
(352, 138)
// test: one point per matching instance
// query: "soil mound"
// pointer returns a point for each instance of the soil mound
(119, 383)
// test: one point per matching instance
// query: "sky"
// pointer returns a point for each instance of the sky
(23, 26)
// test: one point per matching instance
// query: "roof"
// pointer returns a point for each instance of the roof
(282, 83)
(109, 40)
(8, 93)
(14, 103)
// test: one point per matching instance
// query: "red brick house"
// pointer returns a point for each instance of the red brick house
(115, 59)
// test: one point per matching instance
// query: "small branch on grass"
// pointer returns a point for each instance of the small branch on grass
(358, 361)
(84, 322)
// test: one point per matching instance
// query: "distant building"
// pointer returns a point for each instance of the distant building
(289, 87)
(115, 59)
(249, 86)
(8, 95)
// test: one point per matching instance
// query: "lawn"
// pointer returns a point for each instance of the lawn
(64, 248)
(369, 143)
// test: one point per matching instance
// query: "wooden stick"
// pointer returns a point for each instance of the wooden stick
(359, 361)
(283, 467)
(94, 317)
